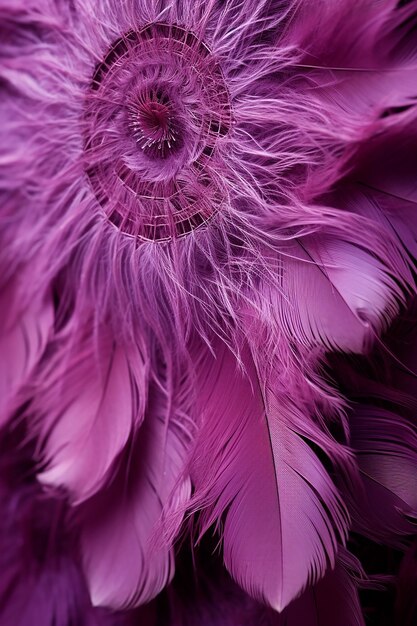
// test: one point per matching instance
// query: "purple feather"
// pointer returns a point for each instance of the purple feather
(24, 331)
(213, 599)
(386, 448)
(134, 567)
(200, 201)
(284, 516)
(90, 397)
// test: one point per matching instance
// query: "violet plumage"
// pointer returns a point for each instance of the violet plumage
(201, 204)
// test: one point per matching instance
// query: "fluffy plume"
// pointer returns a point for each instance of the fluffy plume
(200, 204)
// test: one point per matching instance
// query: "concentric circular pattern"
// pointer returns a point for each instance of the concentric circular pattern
(157, 106)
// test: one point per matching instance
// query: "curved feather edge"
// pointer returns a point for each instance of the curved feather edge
(253, 465)
(386, 193)
(209, 597)
(383, 433)
(333, 600)
(385, 445)
(88, 399)
(124, 564)
(335, 294)
(24, 332)
(41, 580)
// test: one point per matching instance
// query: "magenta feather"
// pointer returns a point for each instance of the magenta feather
(324, 282)
(134, 568)
(25, 328)
(91, 396)
(386, 448)
(284, 515)
(200, 204)
(334, 600)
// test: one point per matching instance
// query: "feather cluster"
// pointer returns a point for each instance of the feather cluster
(208, 245)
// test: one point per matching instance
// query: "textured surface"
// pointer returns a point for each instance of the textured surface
(208, 247)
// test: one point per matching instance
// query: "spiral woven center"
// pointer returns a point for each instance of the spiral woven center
(157, 108)
(153, 124)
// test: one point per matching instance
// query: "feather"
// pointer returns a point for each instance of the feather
(24, 332)
(91, 399)
(335, 294)
(356, 61)
(177, 163)
(209, 597)
(124, 564)
(386, 449)
(283, 515)
(333, 600)
(387, 192)
(383, 433)
(41, 579)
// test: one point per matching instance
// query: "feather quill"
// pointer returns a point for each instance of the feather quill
(283, 516)
(124, 517)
